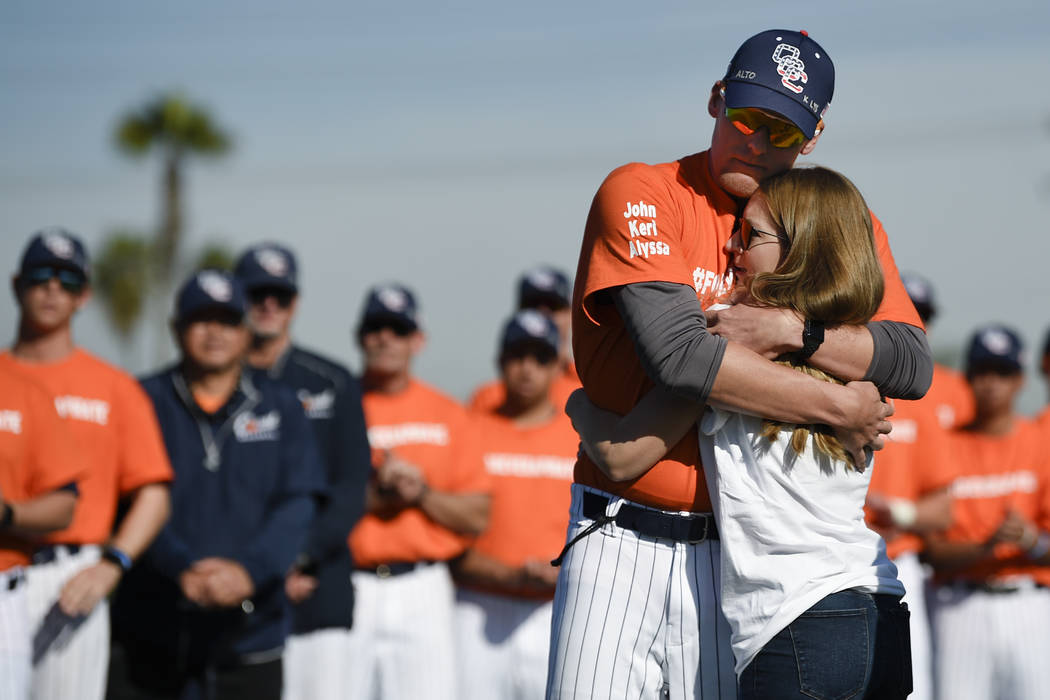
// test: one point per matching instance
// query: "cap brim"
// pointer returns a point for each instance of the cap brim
(740, 95)
(260, 281)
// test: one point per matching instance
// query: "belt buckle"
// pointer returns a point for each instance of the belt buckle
(383, 571)
(707, 528)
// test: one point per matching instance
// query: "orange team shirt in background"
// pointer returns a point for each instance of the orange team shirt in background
(432, 431)
(490, 396)
(665, 223)
(951, 395)
(114, 426)
(914, 462)
(992, 474)
(37, 454)
(531, 470)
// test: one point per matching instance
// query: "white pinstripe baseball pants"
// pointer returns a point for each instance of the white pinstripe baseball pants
(73, 653)
(638, 617)
(991, 646)
(15, 645)
(912, 574)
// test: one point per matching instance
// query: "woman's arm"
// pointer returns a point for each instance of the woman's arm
(625, 447)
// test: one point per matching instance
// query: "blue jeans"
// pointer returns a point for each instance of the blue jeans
(849, 645)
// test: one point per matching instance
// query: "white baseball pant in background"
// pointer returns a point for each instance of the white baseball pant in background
(991, 646)
(15, 636)
(315, 666)
(914, 577)
(402, 645)
(503, 644)
(638, 617)
(70, 655)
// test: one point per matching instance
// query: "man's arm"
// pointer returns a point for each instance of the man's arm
(40, 515)
(670, 335)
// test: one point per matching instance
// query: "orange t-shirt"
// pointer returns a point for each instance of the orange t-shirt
(531, 470)
(37, 454)
(664, 223)
(951, 395)
(915, 461)
(432, 431)
(114, 426)
(490, 396)
(992, 474)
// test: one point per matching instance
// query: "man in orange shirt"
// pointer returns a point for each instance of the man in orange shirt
(506, 581)
(39, 468)
(949, 392)
(428, 496)
(547, 290)
(114, 427)
(992, 570)
(653, 258)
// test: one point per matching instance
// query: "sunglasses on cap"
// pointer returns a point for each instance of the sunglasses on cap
(782, 134)
(282, 295)
(71, 280)
(748, 233)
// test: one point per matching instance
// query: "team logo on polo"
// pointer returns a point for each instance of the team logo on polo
(59, 245)
(317, 405)
(386, 437)
(273, 261)
(249, 427)
(11, 422)
(790, 67)
(215, 285)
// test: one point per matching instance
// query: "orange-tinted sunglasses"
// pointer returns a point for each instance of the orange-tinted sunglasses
(781, 134)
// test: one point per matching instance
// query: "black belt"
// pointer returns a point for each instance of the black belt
(693, 528)
(996, 588)
(396, 568)
(46, 555)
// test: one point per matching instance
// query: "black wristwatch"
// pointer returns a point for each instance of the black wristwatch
(812, 337)
(8, 518)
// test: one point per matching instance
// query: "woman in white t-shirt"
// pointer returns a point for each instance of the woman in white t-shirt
(811, 597)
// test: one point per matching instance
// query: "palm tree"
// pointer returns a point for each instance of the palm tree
(177, 129)
(121, 281)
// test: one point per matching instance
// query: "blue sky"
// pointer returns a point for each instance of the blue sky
(450, 147)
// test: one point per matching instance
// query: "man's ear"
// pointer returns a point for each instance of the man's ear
(716, 102)
(812, 143)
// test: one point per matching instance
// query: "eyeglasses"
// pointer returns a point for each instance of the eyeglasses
(748, 232)
(281, 295)
(782, 134)
(71, 280)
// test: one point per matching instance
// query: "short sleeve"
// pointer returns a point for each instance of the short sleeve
(143, 457)
(896, 304)
(633, 233)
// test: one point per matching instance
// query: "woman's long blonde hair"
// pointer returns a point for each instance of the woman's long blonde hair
(830, 271)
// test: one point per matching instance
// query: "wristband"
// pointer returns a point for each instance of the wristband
(7, 520)
(118, 557)
(1041, 546)
(812, 337)
(903, 513)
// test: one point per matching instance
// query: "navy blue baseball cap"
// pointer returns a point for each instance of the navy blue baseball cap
(784, 72)
(55, 247)
(267, 265)
(208, 290)
(529, 326)
(921, 293)
(390, 303)
(995, 347)
(543, 286)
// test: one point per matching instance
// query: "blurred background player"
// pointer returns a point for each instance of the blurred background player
(949, 392)
(992, 601)
(204, 615)
(506, 583)
(427, 497)
(39, 469)
(114, 428)
(547, 290)
(319, 583)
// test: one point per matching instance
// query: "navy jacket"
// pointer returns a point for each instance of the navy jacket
(332, 400)
(246, 482)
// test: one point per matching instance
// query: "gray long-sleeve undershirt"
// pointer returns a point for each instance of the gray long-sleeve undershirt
(670, 335)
